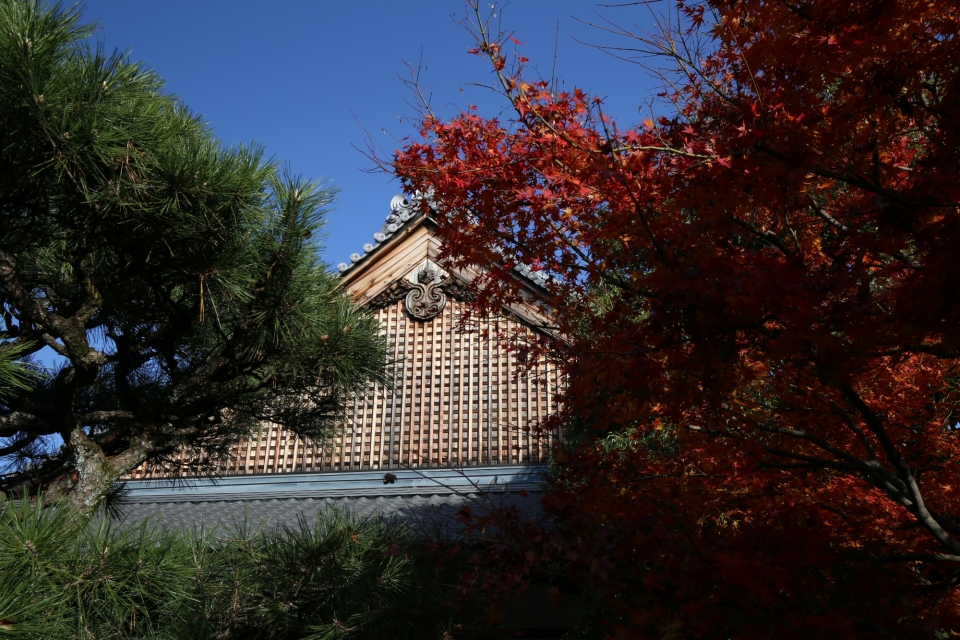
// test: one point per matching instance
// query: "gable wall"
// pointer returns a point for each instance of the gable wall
(456, 401)
(459, 397)
(459, 400)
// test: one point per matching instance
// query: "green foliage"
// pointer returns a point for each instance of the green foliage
(14, 374)
(336, 577)
(178, 280)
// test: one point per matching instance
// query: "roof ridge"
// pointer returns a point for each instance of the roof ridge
(403, 210)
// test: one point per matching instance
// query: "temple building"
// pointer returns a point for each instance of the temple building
(452, 429)
(459, 397)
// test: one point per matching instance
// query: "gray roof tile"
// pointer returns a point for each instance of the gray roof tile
(420, 511)
(425, 498)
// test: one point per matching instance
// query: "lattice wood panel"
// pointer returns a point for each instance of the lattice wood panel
(457, 400)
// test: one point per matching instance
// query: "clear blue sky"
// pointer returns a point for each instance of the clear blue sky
(310, 79)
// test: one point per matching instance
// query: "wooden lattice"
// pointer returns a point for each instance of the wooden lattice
(458, 399)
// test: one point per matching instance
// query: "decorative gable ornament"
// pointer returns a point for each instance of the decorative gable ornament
(427, 298)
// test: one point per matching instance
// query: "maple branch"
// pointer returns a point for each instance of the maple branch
(769, 236)
(809, 437)
(876, 425)
(833, 222)
(688, 61)
(666, 149)
(911, 557)
(853, 180)
(943, 584)
(797, 11)
(819, 462)
(893, 484)
(414, 84)
(602, 273)
(946, 522)
(933, 350)
(883, 478)
(637, 207)
(514, 93)
(852, 424)
(912, 490)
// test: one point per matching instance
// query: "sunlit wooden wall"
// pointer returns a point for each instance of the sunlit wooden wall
(458, 399)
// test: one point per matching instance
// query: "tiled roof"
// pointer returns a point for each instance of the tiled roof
(423, 512)
(421, 497)
(403, 211)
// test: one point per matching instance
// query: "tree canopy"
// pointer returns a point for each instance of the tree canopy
(176, 280)
(759, 287)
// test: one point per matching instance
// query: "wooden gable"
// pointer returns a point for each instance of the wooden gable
(459, 397)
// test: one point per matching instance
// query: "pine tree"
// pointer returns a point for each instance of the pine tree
(332, 576)
(177, 280)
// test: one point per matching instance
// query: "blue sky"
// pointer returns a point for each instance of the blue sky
(311, 79)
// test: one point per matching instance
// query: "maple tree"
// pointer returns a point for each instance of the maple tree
(758, 291)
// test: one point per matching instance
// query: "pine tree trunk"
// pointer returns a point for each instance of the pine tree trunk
(93, 474)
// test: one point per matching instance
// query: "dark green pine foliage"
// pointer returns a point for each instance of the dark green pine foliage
(333, 577)
(15, 374)
(177, 280)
